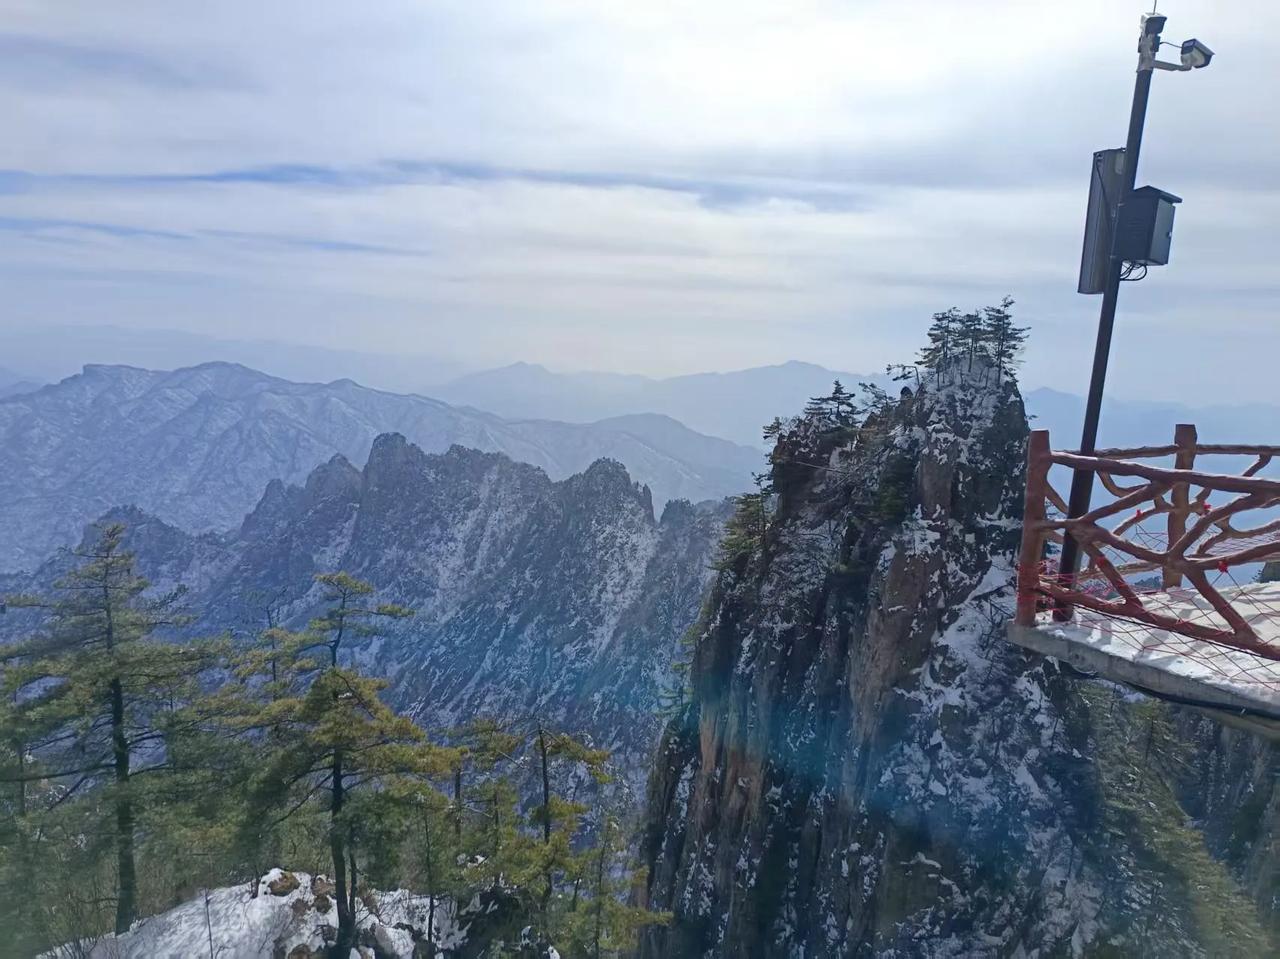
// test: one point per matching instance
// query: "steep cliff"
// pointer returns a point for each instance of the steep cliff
(866, 768)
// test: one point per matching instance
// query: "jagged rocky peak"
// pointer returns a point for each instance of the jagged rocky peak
(197, 446)
(563, 597)
(335, 479)
(392, 453)
(607, 481)
(865, 767)
(678, 513)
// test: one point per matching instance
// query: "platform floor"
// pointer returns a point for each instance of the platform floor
(1237, 687)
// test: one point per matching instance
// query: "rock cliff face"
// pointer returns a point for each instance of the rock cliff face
(866, 768)
(1228, 782)
(568, 599)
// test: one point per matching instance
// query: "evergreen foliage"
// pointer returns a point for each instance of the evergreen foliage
(136, 770)
(987, 338)
(745, 531)
(95, 704)
(1005, 341)
(834, 411)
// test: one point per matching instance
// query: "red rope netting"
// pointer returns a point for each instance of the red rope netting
(1181, 625)
(1183, 608)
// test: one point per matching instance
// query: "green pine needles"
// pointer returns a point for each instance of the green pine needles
(137, 768)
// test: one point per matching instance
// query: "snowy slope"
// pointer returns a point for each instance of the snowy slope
(292, 915)
(197, 446)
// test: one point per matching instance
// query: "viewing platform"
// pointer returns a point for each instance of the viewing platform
(1163, 602)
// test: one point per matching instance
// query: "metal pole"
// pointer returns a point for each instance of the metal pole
(1082, 481)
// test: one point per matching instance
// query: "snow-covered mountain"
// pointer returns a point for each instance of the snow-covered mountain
(49, 351)
(197, 446)
(866, 767)
(568, 599)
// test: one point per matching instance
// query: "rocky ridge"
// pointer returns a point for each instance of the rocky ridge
(196, 446)
(866, 768)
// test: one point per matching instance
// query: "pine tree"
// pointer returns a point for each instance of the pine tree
(877, 400)
(903, 371)
(330, 733)
(818, 409)
(1005, 340)
(557, 818)
(972, 335)
(746, 531)
(944, 341)
(97, 698)
(19, 854)
(673, 698)
(836, 410)
(604, 924)
(844, 409)
(772, 430)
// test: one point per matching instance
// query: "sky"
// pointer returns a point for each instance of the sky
(654, 187)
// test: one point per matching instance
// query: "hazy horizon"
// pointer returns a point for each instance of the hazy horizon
(410, 373)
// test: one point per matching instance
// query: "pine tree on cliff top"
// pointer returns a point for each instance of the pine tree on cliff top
(1005, 340)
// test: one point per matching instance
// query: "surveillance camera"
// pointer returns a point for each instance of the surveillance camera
(1153, 24)
(1195, 54)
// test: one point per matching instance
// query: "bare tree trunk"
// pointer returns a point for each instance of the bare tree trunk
(353, 896)
(457, 802)
(546, 822)
(126, 873)
(25, 865)
(208, 923)
(599, 923)
(431, 882)
(338, 851)
(497, 828)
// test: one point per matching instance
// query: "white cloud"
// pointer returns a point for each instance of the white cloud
(658, 187)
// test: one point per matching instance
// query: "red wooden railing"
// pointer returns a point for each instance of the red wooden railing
(1197, 536)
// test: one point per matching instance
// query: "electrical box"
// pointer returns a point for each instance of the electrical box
(1145, 228)
(1104, 192)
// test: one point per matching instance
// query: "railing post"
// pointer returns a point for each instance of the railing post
(1033, 528)
(1184, 437)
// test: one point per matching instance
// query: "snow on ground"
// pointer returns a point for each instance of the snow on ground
(229, 923)
(1211, 668)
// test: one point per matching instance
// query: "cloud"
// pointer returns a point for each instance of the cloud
(658, 187)
(49, 63)
(726, 193)
(36, 225)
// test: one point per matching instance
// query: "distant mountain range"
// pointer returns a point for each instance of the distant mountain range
(733, 405)
(48, 352)
(736, 405)
(12, 383)
(197, 446)
(1127, 423)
